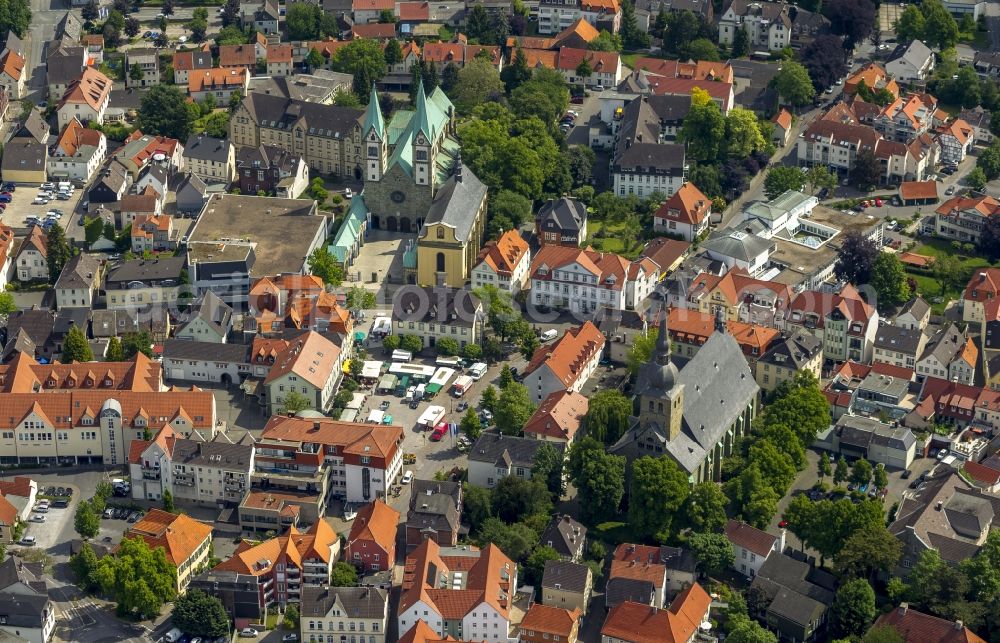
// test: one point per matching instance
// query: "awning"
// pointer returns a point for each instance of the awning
(359, 335)
(347, 366)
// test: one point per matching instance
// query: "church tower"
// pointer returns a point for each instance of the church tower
(424, 144)
(660, 396)
(377, 148)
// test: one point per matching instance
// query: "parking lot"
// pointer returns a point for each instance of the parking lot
(21, 208)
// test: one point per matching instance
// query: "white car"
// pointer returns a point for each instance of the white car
(37, 518)
(348, 193)
(40, 200)
(47, 186)
(182, 39)
(249, 632)
(407, 477)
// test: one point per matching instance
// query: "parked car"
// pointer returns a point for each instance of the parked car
(249, 632)
(28, 541)
(950, 190)
(407, 477)
(906, 474)
(462, 406)
(37, 518)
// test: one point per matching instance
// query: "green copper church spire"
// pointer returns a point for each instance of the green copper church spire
(422, 118)
(373, 118)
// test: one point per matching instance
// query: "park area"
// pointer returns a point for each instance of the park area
(945, 279)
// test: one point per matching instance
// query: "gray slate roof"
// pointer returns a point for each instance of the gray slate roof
(896, 339)
(864, 432)
(213, 311)
(506, 450)
(718, 385)
(34, 127)
(64, 63)
(278, 112)
(568, 214)
(945, 344)
(436, 304)
(79, 272)
(457, 202)
(24, 154)
(357, 602)
(565, 534)
(737, 244)
(916, 53)
(570, 577)
(23, 610)
(13, 571)
(219, 453)
(434, 505)
(186, 349)
(149, 271)
(917, 307)
(793, 351)
(622, 589)
(207, 148)
(796, 591)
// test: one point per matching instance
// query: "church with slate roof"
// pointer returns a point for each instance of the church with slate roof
(694, 414)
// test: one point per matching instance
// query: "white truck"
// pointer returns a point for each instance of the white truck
(477, 370)
(461, 385)
(431, 417)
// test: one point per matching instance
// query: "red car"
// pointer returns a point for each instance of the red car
(783, 524)
(878, 203)
(439, 432)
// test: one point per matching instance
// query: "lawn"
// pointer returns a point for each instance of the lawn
(606, 238)
(928, 287)
(629, 59)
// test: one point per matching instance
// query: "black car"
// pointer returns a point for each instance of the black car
(825, 192)
(906, 474)
(61, 503)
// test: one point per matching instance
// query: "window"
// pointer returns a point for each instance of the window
(440, 260)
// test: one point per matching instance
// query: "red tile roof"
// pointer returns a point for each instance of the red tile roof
(918, 190)
(414, 11)
(639, 623)
(783, 118)
(917, 627)
(687, 205)
(504, 254)
(352, 438)
(375, 522)
(699, 70)
(179, 535)
(237, 56)
(376, 30)
(665, 252)
(559, 416)
(983, 286)
(550, 620)
(567, 357)
(981, 473)
(750, 538)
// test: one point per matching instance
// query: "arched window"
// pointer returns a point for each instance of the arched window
(440, 233)
(440, 262)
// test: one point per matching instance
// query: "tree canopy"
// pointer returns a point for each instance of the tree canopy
(198, 614)
(163, 111)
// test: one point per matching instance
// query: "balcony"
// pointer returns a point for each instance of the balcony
(150, 474)
(186, 479)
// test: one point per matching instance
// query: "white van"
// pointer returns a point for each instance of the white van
(173, 635)
(477, 370)
(399, 355)
(549, 335)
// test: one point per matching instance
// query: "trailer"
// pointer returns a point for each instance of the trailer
(440, 380)
(420, 392)
(461, 386)
(415, 371)
(431, 416)
(399, 355)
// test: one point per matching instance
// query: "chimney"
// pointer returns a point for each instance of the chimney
(959, 625)
(902, 608)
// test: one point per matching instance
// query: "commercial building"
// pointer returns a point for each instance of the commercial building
(362, 611)
(583, 280)
(435, 313)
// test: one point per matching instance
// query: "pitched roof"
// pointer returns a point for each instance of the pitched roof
(550, 620)
(294, 545)
(216, 78)
(413, 11)
(917, 627)
(504, 254)
(12, 64)
(750, 538)
(237, 56)
(352, 438)
(783, 118)
(983, 285)
(566, 357)
(377, 522)
(310, 356)
(92, 89)
(918, 190)
(639, 623)
(566, 575)
(505, 450)
(559, 416)
(357, 602)
(687, 205)
(179, 535)
(379, 31)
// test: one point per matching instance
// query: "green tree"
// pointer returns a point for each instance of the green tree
(882, 633)
(599, 478)
(605, 41)
(89, 13)
(324, 265)
(861, 472)
(608, 415)
(781, 179)
(701, 49)
(658, 489)
(506, 377)
(713, 551)
(880, 478)
(513, 75)
(470, 424)
(704, 127)
(477, 82)
(513, 409)
(361, 54)
(293, 403)
(390, 343)
(302, 20)
(548, 467)
(139, 342)
(842, 472)
(940, 29)
(751, 497)
(199, 614)
(867, 170)
(343, 575)
(477, 506)
(163, 111)
(584, 70)
(793, 84)
(472, 351)
(823, 468)
(230, 35)
(775, 465)
(514, 499)
(889, 280)
(743, 135)
(976, 179)
(478, 24)
(57, 251)
(911, 24)
(393, 53)
(750, 632)
(291, 620)
(488, 400)
(135, 73)
(802, 406)
(449, 77)
(854, 607)
(314, 59)
(535, 566)
(85, 521)
(83, 564)
(168, 501)
(705, 508)
(446, 347)
(516, 540)
(411, 343)
(741, 43)
(75, 347)
(819, 177)
(7, 305)
(867, 552)
(359, 298)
